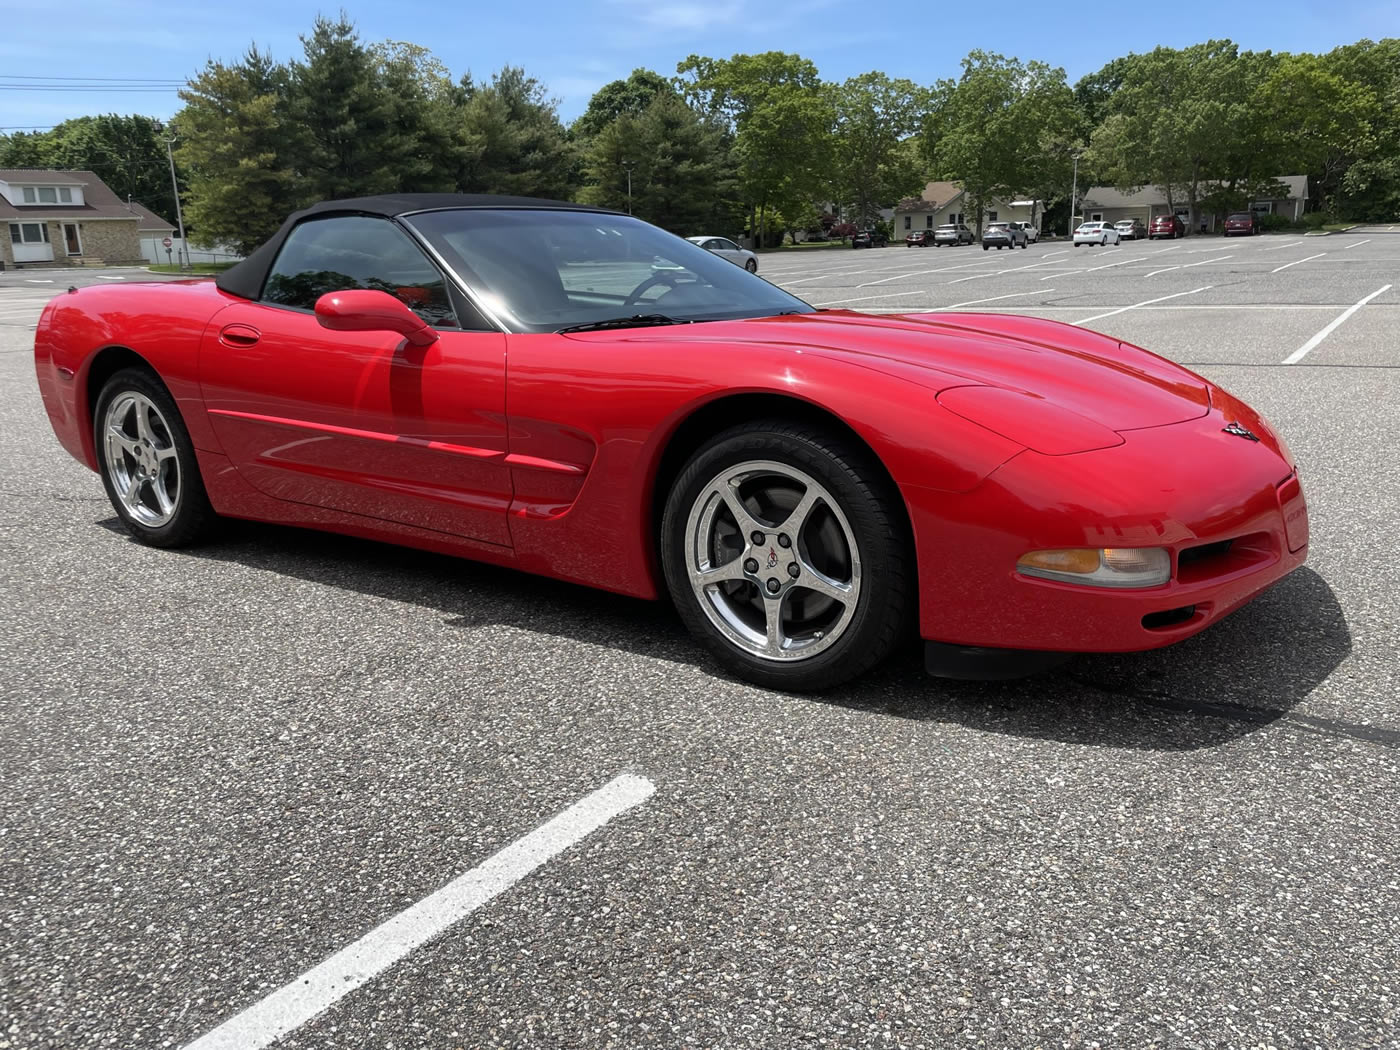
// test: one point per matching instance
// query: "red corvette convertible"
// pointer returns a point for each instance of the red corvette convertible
(576, 393)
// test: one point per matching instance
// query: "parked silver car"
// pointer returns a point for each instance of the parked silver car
(952, 233)
(1130, 229)
(1001, 235)
(727, 249)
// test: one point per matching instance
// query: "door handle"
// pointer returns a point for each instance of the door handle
(239, 335)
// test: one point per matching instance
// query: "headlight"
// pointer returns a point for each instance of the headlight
(1100, 567)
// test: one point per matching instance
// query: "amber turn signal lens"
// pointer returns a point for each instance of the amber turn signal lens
(1079, 561)
(1109, 567)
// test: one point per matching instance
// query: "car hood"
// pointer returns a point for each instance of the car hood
(1079, 370)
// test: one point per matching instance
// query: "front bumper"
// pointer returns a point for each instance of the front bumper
(1230, 511)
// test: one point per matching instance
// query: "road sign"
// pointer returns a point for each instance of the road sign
(166, 242)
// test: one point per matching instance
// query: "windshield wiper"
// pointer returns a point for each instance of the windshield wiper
(635, 321)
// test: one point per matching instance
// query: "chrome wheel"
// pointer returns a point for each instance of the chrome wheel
(141, 459)
(772, 561)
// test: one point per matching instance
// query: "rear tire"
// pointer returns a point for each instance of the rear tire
(809, 613)
(147, 462)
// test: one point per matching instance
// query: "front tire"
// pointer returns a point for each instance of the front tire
(786, 555)
(147, 462)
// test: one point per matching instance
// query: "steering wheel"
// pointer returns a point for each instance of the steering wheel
(635, 296)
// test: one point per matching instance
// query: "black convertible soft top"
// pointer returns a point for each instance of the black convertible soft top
(246, 279)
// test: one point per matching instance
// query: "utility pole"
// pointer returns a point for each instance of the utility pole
(179, 216)
(1073, 195)
(627, 164)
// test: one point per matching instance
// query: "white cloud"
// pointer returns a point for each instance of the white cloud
(684, 15)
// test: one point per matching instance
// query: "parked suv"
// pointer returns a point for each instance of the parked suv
(869, 239)
(1031, 231)
(1241, 222)
(1001, 235)
(918, 239)
(1166, 226)
(952, 233)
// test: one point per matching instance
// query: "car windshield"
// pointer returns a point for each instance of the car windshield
(998, 226)
(1240, 218)
(541, 270)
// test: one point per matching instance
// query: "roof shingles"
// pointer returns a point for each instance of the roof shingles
(99, 202)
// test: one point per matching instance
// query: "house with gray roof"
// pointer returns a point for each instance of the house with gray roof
(1107, 204)
(69, 218)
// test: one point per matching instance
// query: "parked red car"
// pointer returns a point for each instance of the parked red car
(919, 239)
(1166, 226)
(576, 393)
(1241, 222)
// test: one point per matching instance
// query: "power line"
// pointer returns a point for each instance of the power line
(87, 80)
(93, 88)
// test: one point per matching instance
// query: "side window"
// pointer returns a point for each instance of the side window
(728, 246)
(356, 251)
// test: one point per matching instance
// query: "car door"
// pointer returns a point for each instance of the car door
(363, 422)
(730, 251)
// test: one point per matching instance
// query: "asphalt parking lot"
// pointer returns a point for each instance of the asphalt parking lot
(224, 766)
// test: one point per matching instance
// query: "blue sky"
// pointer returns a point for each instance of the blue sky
(575, 47)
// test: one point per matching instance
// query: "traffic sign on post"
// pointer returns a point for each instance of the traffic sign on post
(166, 242)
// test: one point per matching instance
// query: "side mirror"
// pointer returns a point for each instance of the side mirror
(366, 310)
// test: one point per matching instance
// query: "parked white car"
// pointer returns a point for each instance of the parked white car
(1032, 232)
(1095, 233)
(727, 249)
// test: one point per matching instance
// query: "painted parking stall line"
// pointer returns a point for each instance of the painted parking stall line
(1145, 302)
(1353, 244)
(303, 998)
(1333, 325)
(1295, 262)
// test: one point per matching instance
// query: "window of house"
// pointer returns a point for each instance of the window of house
(1096, 216)
(65, 195)
(356, 251)
(991, 216)
(928, 219)
(29, 233)
(29, 195)
(908, 221)
(48, 195)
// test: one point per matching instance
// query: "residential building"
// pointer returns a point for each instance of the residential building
(945, 202)
(1106, 204)
(68, 218)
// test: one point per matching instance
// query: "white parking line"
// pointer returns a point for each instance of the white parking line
(1333, 325)
(1159, 251)
(919, 273)
(298, 1001)
(1280, 247)
(1145, 302)
(104, 277)
(867, 298)
(35, 280)
(1012, 295)
(1062, 251)
(1353, 244)
(1295, 262)
(1059, 273)
(1199, 251)
(974, 277)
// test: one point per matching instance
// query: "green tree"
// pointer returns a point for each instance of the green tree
(682, 176)
(509, 138)
(781, 117)
(994, 129)
(631, 96)
(238, 152)
(1362, 179)
(351, 142)
(873, 116)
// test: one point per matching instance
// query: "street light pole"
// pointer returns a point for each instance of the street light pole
(179, 216)
(627, 165)
(1073, 194)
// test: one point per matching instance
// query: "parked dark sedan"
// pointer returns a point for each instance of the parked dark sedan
(918, 239)
(1241, 222)
(1001, 235)
(869, 239)
(1166, 226)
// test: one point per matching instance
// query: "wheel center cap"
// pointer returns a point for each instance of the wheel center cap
(776, 561)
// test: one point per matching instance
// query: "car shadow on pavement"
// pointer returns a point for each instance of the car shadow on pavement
(1246, 672)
